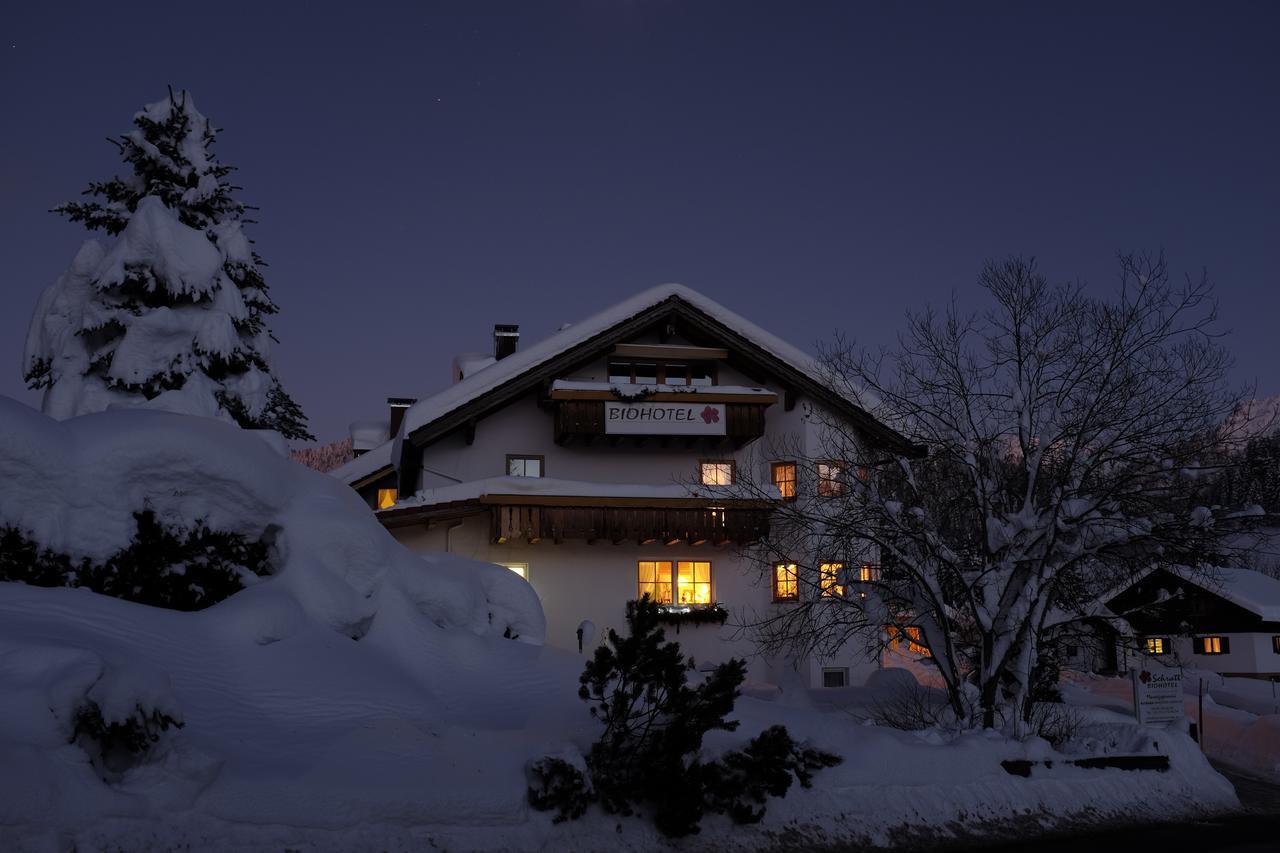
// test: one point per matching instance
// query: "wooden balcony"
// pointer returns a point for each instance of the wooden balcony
(738, 525)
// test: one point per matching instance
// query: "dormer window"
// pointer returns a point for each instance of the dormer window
(387, 498)
(524, 466)
(677, 373)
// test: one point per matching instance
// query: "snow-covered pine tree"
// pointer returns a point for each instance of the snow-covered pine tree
(172, 315)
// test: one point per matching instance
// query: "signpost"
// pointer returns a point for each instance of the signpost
(1157, 695)
(664, 418)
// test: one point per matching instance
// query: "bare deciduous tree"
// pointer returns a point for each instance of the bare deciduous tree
(1061, 437)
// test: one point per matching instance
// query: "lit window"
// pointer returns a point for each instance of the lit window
(784, 477)
(835, 677)
(829, 580)
(717, 473)
(786, 582)
(1213, 645)
(524, 466)
(1157, 645)
(522, 569)
(868, 573)
(387, 498)
(690, 583)
(915, 640)
(829, 483)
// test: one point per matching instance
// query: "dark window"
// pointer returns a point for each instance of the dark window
(646, 373)
(620, 372)
(1213, 645)
(1073, 651)
(524, 466)
(830, 483)
(675, 374)
(1275, 645)
(832, 677)
(702, 373)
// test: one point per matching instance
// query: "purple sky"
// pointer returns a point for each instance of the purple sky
(424, 172)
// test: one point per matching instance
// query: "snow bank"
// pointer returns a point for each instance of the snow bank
(74, 486)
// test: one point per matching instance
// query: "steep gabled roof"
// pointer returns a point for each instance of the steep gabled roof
(1255, 592)
(487, 389)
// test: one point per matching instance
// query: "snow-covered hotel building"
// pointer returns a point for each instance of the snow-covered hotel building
(601, 464)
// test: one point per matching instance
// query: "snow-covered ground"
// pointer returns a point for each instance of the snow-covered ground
(1241, 716)
(366, 698)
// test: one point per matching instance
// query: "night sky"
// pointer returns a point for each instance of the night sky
(426, 170)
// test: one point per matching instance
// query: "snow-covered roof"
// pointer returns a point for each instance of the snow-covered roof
(1254, 591)
(365, 464)
(548, 487)
(471, 387)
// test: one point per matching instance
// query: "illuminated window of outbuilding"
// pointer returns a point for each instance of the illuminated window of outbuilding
(387, 498)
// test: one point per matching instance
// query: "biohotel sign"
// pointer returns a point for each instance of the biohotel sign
(664, 418)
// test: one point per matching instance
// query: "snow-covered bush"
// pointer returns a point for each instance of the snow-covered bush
(183, 569)
(650, 753)
(172, 314)
(148, 506)
(326, 457)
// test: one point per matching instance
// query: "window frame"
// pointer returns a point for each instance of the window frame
(1165, 645)
(733, 471)
(675, 582)
(774, 467)
(1221, 641)
(660, 369)
(525, 457)
(794, 581)
(834, 589)
(842, 671)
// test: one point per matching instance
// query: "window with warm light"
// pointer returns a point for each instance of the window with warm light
(868, 573)
(522, 569)
(784, 477)
(679, 582)
(915, 640)
(387, 498)
(1156, 645)
(830, 485)
(1213, 645)
(717, 473)
(786, 582)
(524, 466)
(829, 580)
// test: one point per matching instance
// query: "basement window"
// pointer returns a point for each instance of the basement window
(1213, 645)
(835, 676)
(522, 569)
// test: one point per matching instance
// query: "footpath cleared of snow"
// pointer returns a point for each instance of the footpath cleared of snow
(297, 735)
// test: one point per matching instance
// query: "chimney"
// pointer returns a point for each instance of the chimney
(505, 340)
(398, 406)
